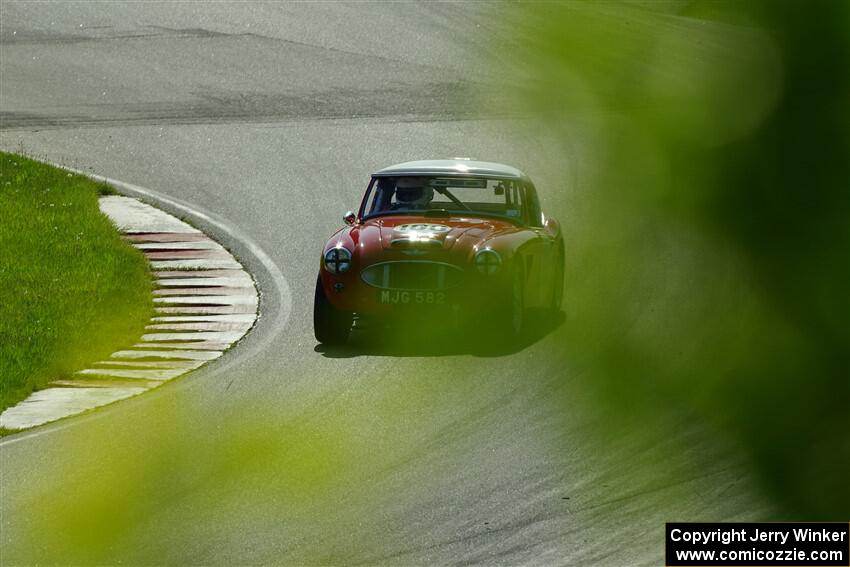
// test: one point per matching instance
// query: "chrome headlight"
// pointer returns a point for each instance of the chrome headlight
(338, 260)
(487, 261)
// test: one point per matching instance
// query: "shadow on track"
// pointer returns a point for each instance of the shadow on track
(413, 340)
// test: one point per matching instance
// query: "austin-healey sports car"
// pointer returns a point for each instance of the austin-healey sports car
(459, 240)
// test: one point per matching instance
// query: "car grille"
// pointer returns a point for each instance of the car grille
(420, 275)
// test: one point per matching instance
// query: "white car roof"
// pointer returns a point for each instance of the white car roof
(451, 167)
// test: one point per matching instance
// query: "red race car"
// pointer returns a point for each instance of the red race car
(459, 240)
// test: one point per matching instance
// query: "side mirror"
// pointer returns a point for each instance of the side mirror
(552, 226)
(349, 218)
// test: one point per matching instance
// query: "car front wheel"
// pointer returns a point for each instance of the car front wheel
(516, 305)
(558, 283)
(330, 325)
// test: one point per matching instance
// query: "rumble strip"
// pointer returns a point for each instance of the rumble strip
(204, 302)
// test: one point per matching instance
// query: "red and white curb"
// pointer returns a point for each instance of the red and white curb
(205, 301)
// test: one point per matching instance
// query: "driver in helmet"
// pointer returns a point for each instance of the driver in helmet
(411, 193)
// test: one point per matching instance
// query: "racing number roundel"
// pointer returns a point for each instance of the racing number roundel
(422, 227)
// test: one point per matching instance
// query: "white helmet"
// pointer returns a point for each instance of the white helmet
(411, 192)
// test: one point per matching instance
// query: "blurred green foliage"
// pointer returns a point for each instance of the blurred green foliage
(709, 229)
(249, 483)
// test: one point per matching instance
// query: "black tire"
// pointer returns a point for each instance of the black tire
(330, 325)
(558, 283)
(516, 315)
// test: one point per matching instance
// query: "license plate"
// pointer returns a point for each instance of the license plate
(392, 297)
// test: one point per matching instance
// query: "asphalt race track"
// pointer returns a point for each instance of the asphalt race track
(270, 118)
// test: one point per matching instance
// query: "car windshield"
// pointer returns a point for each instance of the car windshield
(432, 195)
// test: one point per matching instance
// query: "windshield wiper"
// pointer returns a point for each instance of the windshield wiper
(437, 213)
(445, 193)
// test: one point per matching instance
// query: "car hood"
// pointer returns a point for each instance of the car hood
(422, 234)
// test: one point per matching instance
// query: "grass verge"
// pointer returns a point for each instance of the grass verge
(72, 291)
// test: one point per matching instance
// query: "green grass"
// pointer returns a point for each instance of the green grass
(72, 291)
